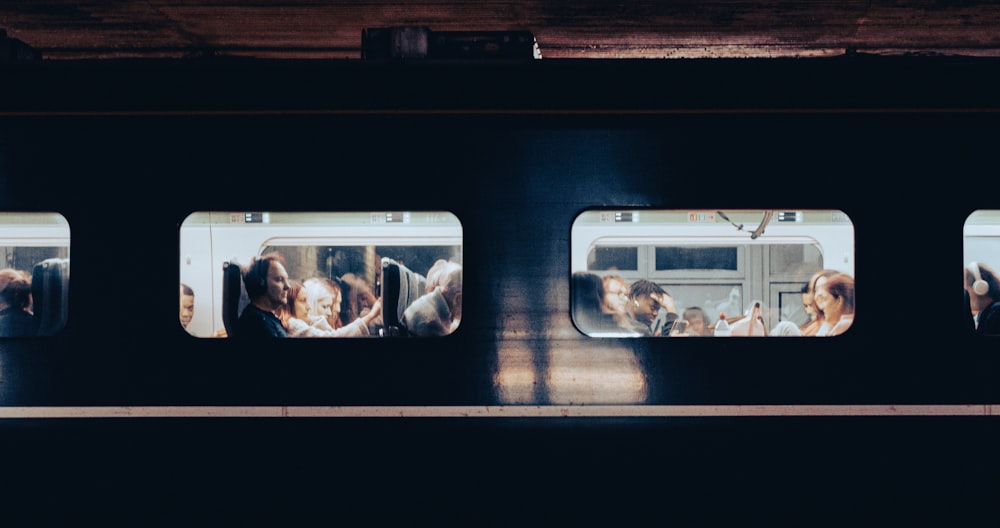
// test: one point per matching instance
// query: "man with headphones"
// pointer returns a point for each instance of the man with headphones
(984, 298)
(266, 283)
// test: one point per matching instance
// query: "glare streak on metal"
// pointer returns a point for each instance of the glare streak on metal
(503, 411)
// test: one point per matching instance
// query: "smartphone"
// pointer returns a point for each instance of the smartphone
(679, 327)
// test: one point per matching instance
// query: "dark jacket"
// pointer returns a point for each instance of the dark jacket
(989, 320)
(255, 323)
(15, 322)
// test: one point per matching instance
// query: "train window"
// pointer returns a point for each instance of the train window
(982, 263)
(604, 258)
(697, 258)
(34, 274)
(765, 272)
(348, 274)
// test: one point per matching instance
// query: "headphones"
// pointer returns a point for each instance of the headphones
(979, 287)
(258, 273)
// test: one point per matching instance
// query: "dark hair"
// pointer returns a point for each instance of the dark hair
(255, 274)
(588, 297)
(15, 288)
(644, 287)
(186, 290)
(841, 286)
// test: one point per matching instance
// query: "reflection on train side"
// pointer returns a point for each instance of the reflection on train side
(34, 273)
(321, 274)
(687, 273)
(542, 361)
(982, 285)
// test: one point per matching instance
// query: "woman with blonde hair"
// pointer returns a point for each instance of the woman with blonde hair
(323, 298)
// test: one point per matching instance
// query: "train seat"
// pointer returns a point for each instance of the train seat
(234, 296)
(50, 294)
(400, 287)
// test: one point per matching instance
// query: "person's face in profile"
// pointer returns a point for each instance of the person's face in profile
(324, 306)
(696, 325)
(277, 284)
(302, 304)
(807, 305)
(187, 309)
(645, 308)
(830, 305)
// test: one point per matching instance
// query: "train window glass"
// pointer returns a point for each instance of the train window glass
(349, 274)
(791, 259)
(981, 248)
(696, 258)
(751, 265)
(604, 258)
(34, 274)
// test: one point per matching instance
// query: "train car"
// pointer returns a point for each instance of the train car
(525, 173)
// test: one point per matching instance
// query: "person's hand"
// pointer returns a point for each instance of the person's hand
(375, 314)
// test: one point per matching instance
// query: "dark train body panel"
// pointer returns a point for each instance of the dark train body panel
(904, 146)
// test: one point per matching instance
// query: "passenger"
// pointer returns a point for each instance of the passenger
(187, 305)
(590, 312)
(16, 319)
(359, 299)
(818, 278)
(266, 284)
(615, 296)
(643, 308)
(439, 311)
(809, 327)
(324, 299)
(984, 298)
(295, 315)
(698, 321)
(835, 298)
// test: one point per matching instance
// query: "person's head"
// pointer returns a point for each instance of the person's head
(982, 286)
(588, 295)
(835, 295)
(358, 296)
(643, 301)
(266, 281)
(298, 302)
(807, 302)
(446, 277)
(815, 281)
(615, 294)
(187, 305)
(15, 289)
(697, 319)
(321, 297)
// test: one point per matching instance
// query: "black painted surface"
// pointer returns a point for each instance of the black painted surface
(905, 148)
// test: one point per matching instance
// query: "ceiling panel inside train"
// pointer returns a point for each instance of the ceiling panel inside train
(302, 29)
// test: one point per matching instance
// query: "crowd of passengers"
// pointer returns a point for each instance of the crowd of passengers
(317, 307)
(610, 305)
